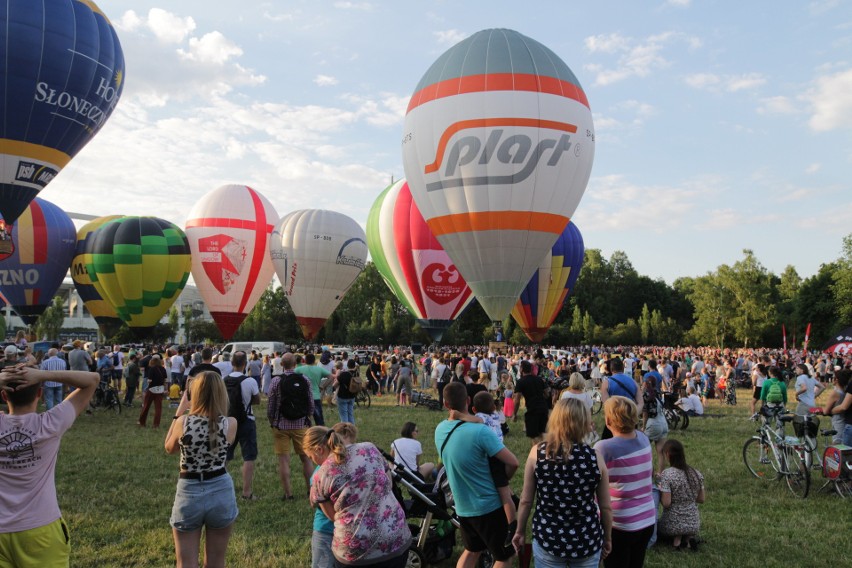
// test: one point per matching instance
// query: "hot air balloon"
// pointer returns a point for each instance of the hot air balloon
(317, 255)
(543, 297)
(411, 260)
(62, 74)
(497, 149)
(139, 265)
(229, 231)
(101, 310)
(31, 275)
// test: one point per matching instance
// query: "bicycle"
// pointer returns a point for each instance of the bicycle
(106, 397)
(363, 399)
(675, 415)
(771, 455)
(837, 465)
(597, 402)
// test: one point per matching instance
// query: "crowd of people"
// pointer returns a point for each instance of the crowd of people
(595, 494)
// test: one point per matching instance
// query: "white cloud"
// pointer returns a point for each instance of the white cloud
(212, 47)
(702, 80)
(728, 83)
(635, 58)
(387, 110)
(325, 80)
(168, 27)
(283, 17)
(832, 105)
(449, 37)
(128, 21)
(353, 6)
(777, 105)
(679, 3)
(813, 168)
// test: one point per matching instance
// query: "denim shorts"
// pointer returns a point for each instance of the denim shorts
(211, 503)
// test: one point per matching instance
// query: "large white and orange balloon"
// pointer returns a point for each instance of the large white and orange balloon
(497, 148)
(317, 255)
(413, 263)
(229, 232)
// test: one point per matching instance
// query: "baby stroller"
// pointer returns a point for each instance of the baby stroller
(432, 519)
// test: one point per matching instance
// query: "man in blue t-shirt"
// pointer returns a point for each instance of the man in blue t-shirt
(464, 448)
(619, 384)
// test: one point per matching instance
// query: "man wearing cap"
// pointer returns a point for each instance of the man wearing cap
(10, 356)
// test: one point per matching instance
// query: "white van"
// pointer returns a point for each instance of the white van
(262, 347)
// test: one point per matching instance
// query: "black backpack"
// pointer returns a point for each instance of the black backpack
(293, 392)
(236, 407)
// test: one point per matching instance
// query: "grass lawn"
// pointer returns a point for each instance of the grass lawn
(116, 487)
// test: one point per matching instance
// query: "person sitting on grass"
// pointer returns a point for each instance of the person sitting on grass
(32, 530)
(691, 403)
(485, 412)
(407, 450)
(681, 489)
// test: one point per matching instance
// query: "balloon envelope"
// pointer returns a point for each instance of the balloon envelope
(543, 297)
(497, 149)
(229, 231)
(317, 255)
(61, 75)
(44, 237)
(413, 263)
(103, 312)
(139, 265)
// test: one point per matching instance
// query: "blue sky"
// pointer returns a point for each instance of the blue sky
(720, 125)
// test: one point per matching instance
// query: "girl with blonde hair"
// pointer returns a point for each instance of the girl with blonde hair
(573, 519)
(201, 431)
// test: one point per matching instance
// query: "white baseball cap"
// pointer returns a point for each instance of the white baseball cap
(11, 351)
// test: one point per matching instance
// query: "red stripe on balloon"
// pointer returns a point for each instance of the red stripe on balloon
(261, 244)
(404, 248)
(39, 230)
(498, 82)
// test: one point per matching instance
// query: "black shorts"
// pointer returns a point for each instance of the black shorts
(247, 439)
(756, 393)
(487, 532)
(535, 423)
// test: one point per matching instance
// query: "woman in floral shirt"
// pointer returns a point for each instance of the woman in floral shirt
(353, 489)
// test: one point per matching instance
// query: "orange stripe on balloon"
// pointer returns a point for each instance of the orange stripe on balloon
(497, 82)
(34, 151)
(498, 221)
(456, 127)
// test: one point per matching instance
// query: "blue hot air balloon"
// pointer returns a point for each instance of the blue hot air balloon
(61, 75)
(555, 278)
(45, 238)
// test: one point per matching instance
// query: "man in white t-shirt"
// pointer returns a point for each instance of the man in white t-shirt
(691, 404)
(34, 533)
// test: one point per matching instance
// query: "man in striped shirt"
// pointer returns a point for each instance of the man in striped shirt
(52, 389)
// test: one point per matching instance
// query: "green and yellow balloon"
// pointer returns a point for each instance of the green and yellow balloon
(139, 265)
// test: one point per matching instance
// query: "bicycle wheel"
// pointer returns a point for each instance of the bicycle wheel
(111, 401)
(366, 399)
(797, 474)
(672, 418)
(684, 418)
(597, 404)
(843, 487)
(756, 454)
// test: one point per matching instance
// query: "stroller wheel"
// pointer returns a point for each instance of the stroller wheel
(415, 558)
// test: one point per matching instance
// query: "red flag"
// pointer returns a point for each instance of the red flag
(784, 335)
(807, 335)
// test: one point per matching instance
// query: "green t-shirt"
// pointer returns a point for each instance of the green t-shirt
(316, 374)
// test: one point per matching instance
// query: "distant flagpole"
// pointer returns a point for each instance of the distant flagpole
(807, 335)
(784, 335)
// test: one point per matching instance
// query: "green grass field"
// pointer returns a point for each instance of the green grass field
(116, 486)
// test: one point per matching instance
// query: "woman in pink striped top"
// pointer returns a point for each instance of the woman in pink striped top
(628, 457)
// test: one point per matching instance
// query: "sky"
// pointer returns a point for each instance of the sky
(720, 126)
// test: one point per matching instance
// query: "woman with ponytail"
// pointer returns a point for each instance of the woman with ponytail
(352, 487)
(205, 497)
(681, 489)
